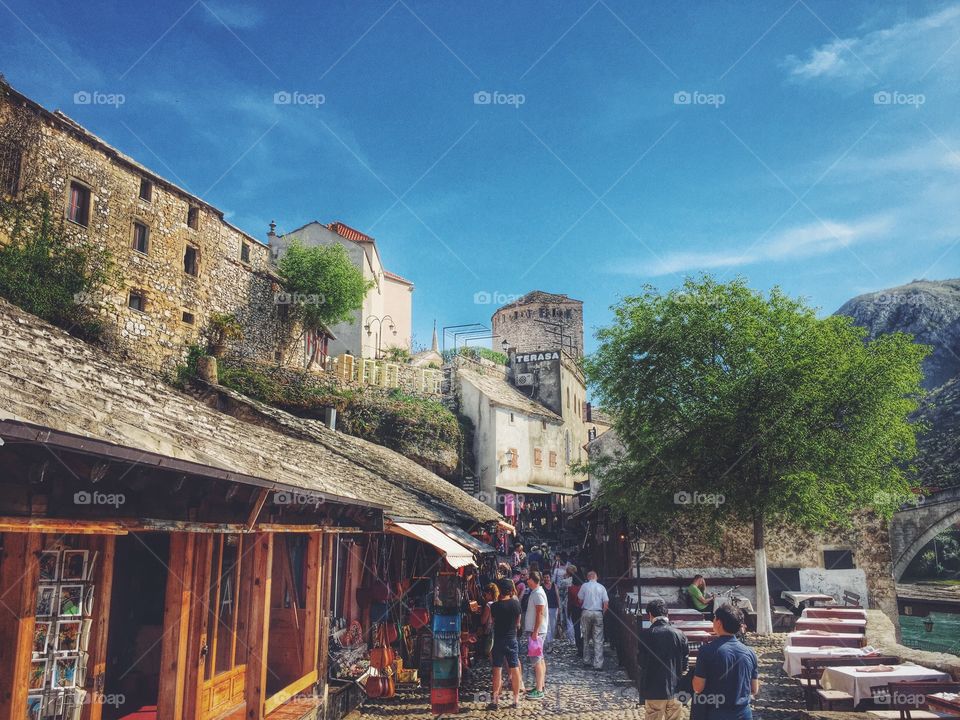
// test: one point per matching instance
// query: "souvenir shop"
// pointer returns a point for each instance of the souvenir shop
(406, 608)
(214, 605)
(540, 511)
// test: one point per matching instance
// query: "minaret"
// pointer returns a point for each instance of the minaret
(436, 345)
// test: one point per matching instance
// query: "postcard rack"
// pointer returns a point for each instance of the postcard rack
(64, 618)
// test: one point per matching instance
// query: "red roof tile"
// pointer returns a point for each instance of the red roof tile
(349, 233)
(393, 276)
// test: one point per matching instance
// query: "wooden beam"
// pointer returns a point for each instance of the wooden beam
(61, 527)
(19, 572)
(257, 507)
(197, 632)
(176, 627)
(258, 637)
(105, 546)
(313, 567)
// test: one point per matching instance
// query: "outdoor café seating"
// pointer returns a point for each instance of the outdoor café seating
(837, 625)
(918, 700)
(834, 612)
(823, 638)
(867, 684)
(813, 669)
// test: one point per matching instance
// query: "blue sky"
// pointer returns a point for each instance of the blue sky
(810, 144)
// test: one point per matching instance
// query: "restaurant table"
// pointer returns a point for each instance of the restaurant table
(685, 625)
(799, 599)
(817, 639)
(684, 613)
(860, 684)
(944, 702)
(839, 612)
(792, 656)
(830, 625)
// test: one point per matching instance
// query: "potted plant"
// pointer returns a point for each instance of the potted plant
(222, 328)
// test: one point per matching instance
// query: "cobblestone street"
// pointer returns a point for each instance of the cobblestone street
(576, 692)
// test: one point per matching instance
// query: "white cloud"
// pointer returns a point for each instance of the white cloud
(908, 50)
(804, 241)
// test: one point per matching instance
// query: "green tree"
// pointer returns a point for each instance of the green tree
(321, 286)
(735, 406)
(48, 273)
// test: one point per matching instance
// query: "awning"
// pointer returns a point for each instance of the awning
(519, 489)
(466, 539)
(453, 552)
(554, 490)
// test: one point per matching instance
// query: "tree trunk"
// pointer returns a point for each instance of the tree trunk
(764, 621)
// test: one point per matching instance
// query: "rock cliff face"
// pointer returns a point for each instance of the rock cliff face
(930, 311)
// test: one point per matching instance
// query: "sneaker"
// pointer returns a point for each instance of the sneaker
(515, 705)
(535, 695)
(493, 706)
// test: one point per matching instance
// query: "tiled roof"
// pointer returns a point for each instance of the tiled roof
(53, 380)
(499, 392)
(393, 276)
(349, 233)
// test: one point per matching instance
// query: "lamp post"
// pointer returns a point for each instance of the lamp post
(368, 326)
(639, 547)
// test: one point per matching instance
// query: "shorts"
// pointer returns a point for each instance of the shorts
(505, 651)
(533, 660)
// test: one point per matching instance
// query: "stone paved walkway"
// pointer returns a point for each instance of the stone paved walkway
(578, 693)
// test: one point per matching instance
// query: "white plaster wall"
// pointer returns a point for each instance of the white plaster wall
(834, 582)
(398, 304)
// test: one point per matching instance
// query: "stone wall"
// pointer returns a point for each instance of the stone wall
(519, 323)
(687, 550)
(234, 271)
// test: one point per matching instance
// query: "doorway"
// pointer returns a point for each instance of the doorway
(136, 623)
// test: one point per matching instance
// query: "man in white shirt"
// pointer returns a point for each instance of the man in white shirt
(595, 601)
(535, 624)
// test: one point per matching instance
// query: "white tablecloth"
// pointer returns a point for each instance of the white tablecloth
(797, 598)
(855, 624)
(828, 639)
(853, 613)
(792, 656)
(859, 684)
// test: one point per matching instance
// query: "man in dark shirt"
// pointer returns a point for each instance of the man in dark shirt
(663, 661)
(506, 620)
(726, 675)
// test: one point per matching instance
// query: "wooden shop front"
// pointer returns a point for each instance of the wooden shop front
(134, 585)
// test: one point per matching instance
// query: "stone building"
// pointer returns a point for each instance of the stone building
(178, 259)
(540, 321)
(385, 321)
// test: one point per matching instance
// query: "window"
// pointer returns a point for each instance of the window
(10, 159)
(568, 398)
(537, 457)
(191, 257)
(193, 217)
(141, 237)
(511, 418)
(137, 300)
(244, 252)
(553, 459)
(188, 317)
(838, 560)
(543, 424)
(78, 204)
(514, 457)
(146, 190)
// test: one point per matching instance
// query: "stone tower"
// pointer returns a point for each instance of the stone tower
(540, 321)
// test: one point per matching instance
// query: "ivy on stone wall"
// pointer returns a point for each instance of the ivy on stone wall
(49, 274)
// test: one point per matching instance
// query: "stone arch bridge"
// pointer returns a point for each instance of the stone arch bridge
(916, 524)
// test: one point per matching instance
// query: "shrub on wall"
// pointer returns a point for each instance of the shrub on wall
(49, 274)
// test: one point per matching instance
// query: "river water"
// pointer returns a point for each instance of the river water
(945, 636)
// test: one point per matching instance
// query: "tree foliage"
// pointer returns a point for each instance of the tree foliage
(753, 402)
(48, 273)
(322, 286)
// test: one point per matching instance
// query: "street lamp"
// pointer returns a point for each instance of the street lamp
(368, 326)
(639, 547)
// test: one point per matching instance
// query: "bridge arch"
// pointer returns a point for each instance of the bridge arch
(912, 528)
